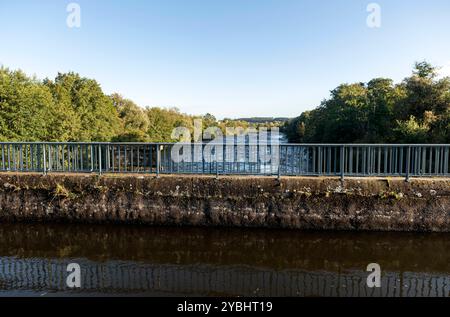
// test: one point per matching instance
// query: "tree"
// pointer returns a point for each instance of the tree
(134, 121)
(25, 107)
(163, 121)
(66, 123)
(98, 119)
(416, 110)
(424, 70)
(423, 93)
(411, 131)
(382, 96)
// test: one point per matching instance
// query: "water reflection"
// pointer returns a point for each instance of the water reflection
(199, 261)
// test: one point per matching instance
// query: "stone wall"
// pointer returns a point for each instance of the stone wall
(389, 204)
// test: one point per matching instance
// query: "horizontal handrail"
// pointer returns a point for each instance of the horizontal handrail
(245, 143)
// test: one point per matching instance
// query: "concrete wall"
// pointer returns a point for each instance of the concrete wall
(293, 202)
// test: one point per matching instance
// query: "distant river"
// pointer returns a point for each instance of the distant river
(149, 261)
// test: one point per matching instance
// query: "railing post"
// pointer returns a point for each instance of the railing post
(342, 155)
(49, 163)
(408, 162)
(279, 171)
(44, 160)
(92, 157)
(217, 164)
(158, 159)
(279, 163)
(100, 159)
(107, 159)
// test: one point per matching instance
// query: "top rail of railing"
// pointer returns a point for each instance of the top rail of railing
(219, 158)
(224, 143)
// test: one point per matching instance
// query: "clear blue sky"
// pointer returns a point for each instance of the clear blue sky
(231, 58)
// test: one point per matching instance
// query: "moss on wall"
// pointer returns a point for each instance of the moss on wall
(293, 202)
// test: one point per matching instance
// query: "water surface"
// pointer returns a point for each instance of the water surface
(148, 261)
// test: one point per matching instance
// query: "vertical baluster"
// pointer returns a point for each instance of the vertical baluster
(379, 161)
(408, 162)
(26, 157)
(32, 146)
(424, 160)
(151, 157)
(328, 160)
(44, 159)
(418, 157)
(3, 158)
(132, 169)
(446, 159)
(100, 159)
(14, 157)
(73, 158)
(82, 151)
(350, 161)
(357, 161)
(401, 160)
(39, 157)
(50, 161)
(113, 158)
(58, 162)
(314, 160)
(307, 159)
(436, 165)
(119, 160)
(364, 161)
(91, 157)
(320, 160)
(158, 160)
(144, 163)
(125, 158)
(396, 150)
(430, 162)
(108, 158)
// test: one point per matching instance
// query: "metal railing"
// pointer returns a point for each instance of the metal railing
(406, 160)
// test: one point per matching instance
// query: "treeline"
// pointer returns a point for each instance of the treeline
(74, 108)
(278, 121)
(417, 110)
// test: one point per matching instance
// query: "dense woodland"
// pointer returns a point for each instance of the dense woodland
(417, 110)
(74, 108)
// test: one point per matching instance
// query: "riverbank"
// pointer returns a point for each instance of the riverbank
(317, 203)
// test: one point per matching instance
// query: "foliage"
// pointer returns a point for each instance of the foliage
(163, 121)
(134, 121)
(416, 110)
(25, 107)
(74, 108)
(91, 111)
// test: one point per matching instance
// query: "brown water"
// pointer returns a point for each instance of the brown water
(130, 260)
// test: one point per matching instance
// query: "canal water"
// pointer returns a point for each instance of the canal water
(153, 261)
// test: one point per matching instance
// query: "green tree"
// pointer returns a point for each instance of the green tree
(382, 96)
(25, 107)
(411, 131)
(66, 123)
(98, 119)
(134, 121)
(163, 121)
(416, 110)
